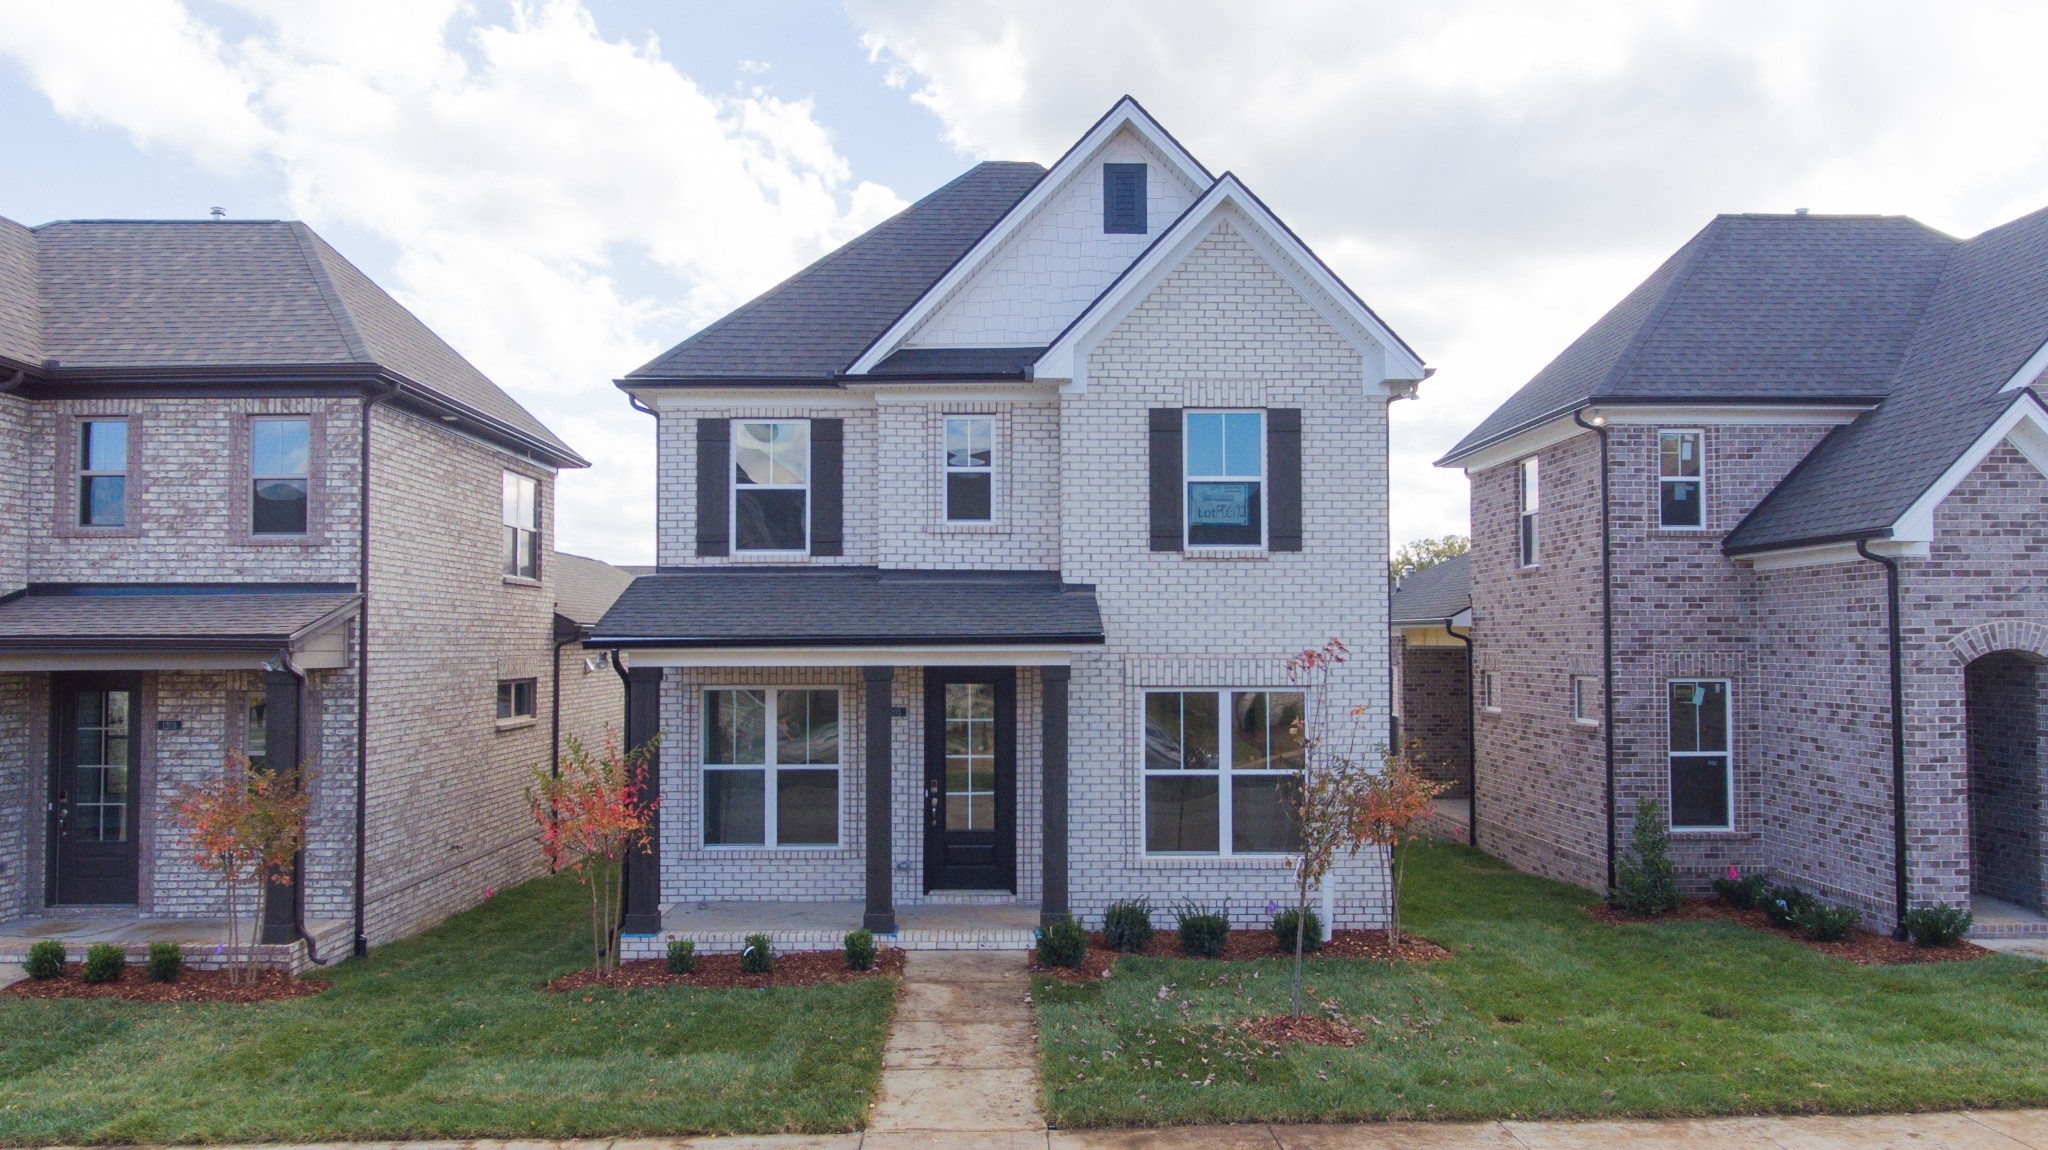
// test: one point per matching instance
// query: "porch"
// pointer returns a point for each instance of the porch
(204, 940)
(722, 927)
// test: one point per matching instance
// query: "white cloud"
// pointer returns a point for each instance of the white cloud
(523, 168)
(1492, 175)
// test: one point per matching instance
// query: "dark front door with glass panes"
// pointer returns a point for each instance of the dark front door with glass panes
(970, 779)
(93, 792)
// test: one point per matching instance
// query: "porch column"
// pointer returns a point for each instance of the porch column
(641, 904)
(282, 690)
(880, 916)
(1052, 682)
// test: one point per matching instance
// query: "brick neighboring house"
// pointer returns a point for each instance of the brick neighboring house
(256, 505)
(589, 695)
(1431, 617)
(1005, 519)
(1815, 446)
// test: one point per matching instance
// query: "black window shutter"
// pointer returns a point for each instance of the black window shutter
(828, 487)
(1166, 479)
(1283, 479)
(1123, 199)
(714, 486)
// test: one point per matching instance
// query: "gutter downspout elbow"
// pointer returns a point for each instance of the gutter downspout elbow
(1471, 742)
(1900, 885)
(1606, 629)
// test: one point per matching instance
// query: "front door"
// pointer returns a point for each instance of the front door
(970, 778)
(93, 855)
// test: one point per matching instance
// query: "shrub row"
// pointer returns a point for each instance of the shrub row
(1790, 908)
(1127, 927)
(105, 961)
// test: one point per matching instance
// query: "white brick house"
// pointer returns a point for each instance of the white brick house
(984, 544)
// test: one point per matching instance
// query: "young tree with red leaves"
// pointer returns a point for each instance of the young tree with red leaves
(1394, 802)
(589, 817)
(247, 825)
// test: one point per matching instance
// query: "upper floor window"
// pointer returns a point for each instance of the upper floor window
(771, 767)
(1681, 486)
(1225, 478)
(1525, 495)
(522, 527)
(102, 473)
(1219, 766)
(771, 485)
(280, 460)
(1123, 199)
(1702, 771)
(970, 468)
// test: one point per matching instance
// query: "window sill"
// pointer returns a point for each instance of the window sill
(1589, 724)
(1489, 710)
(77, 531)
(1224, 553)
(521, 581)
(518, 724)
(1714, 834)
(968, 527)
(756, 850)
(766, 557)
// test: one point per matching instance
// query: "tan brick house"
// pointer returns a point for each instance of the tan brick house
(984, 542)
(1767, 544)
(255, 505)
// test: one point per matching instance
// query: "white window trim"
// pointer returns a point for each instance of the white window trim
(534, 528)
(1222, 774)
(81, 473)
(1489, 692)
(1528, 513)
(306, 477)
(1727, 757)
(1701, 479)
(1187, 476)
(1582, 692)
(732, 488)
(517, 718)
(768, 768)
(947, 470)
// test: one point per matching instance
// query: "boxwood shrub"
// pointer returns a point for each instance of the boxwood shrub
(1202, 931)
(682, 956)
(166, 962)
(1062, 943)
(1311, 935)
(45, 959)
(1937, 925)
(860, 950)
(758, 957)
(1127, 926)
(104, 962)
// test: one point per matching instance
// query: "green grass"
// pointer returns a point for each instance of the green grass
(448, 1035)
(1547, 1012)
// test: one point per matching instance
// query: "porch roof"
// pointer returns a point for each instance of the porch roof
(849, 607)
(146, 625)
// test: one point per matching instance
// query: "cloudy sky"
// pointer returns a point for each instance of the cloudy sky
(564, 188)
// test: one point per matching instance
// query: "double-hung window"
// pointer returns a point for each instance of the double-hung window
(1226, 478)
(1219, 770)
(771, 485)
(1681, 481)
(1702, 772)
(516, 700)
(102, 472)
(522, 527)
(970, 468)
(280, 460)
(1525, 497)
(771, 767)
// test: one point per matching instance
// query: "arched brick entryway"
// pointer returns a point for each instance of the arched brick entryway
(2002, 694)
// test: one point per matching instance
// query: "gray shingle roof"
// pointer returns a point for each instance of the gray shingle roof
(153, 294)
(813, 325)
(1434, 594)
(959, 362)
(1752, 309)
(586, 588)
(255, 619)
(848, 606)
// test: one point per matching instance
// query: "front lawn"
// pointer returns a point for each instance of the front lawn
(1547, 1012)
(448, 1036)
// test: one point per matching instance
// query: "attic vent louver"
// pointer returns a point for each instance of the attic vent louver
(1123, 199)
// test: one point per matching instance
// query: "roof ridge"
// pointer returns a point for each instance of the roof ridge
(344, 320)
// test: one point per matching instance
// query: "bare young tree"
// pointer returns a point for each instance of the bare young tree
(1325, 801)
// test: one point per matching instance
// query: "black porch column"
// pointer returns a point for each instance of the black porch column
(282, 692)
(1052, 682)
(879, 768)
(641, 909)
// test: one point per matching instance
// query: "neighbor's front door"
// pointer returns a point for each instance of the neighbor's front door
(92, 789)
(970, 778)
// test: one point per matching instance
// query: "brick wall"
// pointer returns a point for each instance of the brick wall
(593, 698)
(1436, 709)
(16, 512)
(24, 744)
(910, 492)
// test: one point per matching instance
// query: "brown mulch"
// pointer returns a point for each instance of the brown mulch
(797, 968)
(1861, 947)
(1310, 1029)
(1244, 945)
(192, 986)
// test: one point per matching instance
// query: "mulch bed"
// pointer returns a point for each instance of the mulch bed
(797, 968)
(1861, 947)
(1244, 945)
(1313, 1030)
(192, 986)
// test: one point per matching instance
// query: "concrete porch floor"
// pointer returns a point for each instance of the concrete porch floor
(722, 927)
(205, 940)
(1995, 920)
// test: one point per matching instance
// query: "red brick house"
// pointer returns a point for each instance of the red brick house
(1431, 617)
(1767, 544)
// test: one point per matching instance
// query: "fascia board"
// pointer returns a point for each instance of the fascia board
(699, 398)
(1528, 441)
(1702, 414)
(1827, 554)
(2023, 423)
(2029, 371)
(1022, 656)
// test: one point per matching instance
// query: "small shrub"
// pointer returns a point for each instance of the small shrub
(166, 962)
(1128, 926)
(104, 961)
(860, 950)
(1937, 925)
(45, 959)
(1311, 935)
(1825, 922)
(759, 955)
(1744, 893)
(1062, 943)
(1783, 904)
(682, 956)
(1202, 931)
(1646, 880)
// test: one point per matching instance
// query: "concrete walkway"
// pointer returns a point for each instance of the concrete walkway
(961, 1066)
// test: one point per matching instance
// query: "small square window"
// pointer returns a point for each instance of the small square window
(970, 468)
(1123, 199)
(515, 700)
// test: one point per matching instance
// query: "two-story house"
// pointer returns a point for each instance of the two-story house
(254, 505)
(984, 542)
(1767, 545)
